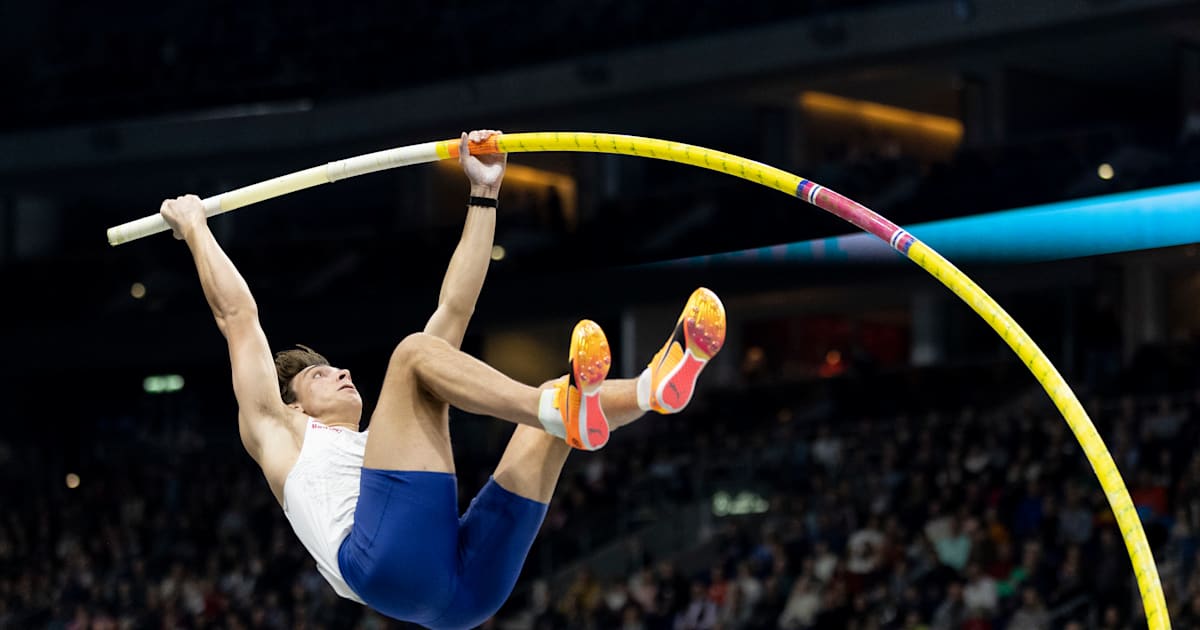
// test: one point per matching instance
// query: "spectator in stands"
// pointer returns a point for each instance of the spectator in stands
(700, 613)
(631, 618)
(825, 562)
(865, 548)
(671, 594)
(954, 548)
(802, 605)
(643, 589)
(952, 612)
(980, 593)
(1032, 614)
(1113, 619)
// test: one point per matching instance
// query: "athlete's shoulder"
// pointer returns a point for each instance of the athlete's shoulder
(276, 428)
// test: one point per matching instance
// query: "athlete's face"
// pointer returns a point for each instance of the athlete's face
(324, 391)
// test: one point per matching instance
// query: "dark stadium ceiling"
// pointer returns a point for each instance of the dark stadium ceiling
(73, 63)
(1132, 46)
(1105, 53)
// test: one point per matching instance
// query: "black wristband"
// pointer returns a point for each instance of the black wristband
(483, 202)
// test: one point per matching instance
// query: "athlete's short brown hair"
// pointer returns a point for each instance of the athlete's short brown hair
(289, 363)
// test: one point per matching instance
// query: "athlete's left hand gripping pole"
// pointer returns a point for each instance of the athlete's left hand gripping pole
(154, 224)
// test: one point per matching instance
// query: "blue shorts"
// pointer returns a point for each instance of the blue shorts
(410, 556)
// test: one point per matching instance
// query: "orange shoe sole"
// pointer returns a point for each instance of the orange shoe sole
(590, 359)
(702, 325)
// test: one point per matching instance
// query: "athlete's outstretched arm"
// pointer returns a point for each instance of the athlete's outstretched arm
(254, 381)
(469, 264)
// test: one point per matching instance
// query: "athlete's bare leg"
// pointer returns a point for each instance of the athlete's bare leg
(410, 427)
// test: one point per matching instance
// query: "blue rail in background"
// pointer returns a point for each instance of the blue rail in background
(1130, 221)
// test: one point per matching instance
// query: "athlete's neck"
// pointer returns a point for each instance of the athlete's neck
(341, 424)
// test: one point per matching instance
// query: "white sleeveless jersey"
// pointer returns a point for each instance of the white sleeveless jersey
(321, 492)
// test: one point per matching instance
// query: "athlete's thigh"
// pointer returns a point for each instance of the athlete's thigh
(409, 429)
(494, 537)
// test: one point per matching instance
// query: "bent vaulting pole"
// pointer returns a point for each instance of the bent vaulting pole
(824, 198)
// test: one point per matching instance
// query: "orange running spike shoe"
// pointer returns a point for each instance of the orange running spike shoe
(577, 395)
(698, 336)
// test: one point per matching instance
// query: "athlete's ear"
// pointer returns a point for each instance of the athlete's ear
(296, 406)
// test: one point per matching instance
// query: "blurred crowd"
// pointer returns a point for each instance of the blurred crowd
(974, 519)
(970, 518)
(163, 531)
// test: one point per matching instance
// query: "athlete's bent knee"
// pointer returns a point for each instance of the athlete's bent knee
(412, 350)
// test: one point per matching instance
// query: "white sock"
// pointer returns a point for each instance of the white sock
(643, 390)
(549, 415)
